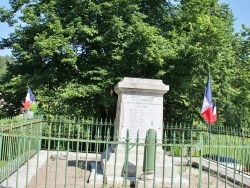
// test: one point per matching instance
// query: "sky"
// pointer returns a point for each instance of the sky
(240, 10)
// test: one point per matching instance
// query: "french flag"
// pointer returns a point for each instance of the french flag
(30, 98)
(208, 110)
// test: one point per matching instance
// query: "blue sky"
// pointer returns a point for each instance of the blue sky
(240, 10)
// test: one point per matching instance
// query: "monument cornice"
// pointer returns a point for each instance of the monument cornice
(129, 84)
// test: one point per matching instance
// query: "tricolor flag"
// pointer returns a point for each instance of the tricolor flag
(30, 98)
(208, 110)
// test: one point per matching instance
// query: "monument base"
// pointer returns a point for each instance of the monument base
(159, 183)
(110, 170)
(97, 179)
(113, 161)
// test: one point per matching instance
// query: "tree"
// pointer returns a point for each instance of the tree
(78, 52)
(74, 53)
(204, 33)
(237, 110)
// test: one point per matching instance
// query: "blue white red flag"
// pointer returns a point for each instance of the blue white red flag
(30, 98)
(208, 110)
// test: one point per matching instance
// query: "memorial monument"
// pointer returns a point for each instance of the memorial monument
(139, 108)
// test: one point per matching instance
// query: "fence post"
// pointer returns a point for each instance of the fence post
(149, 154)
(1, 143)
(125, 172)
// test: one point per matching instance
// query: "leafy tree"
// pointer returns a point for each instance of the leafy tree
(72, 54)
(204, 33)
(237, 110)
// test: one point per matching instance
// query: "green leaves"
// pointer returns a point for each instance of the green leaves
(73, 53)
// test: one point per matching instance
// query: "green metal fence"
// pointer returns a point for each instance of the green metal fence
(67, 153)
(18, 143)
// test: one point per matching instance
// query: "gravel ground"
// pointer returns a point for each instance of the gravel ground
(194, 178)
(76, 174)
(56, 168)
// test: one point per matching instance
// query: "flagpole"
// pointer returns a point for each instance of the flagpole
(210, 132)
(209, 135)
(209, 150)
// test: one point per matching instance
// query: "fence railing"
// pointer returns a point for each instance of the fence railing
(18, 143)
(66, 144)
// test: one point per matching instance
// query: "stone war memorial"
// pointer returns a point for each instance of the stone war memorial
(139, 109)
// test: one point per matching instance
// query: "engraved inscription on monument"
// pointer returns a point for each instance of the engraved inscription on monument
(141, 113)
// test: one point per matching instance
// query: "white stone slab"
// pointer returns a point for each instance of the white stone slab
(141, 113)
(139, 107)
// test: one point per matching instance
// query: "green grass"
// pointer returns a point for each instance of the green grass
(2, 163)
(228, 145)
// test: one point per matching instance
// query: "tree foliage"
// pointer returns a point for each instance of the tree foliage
(73, 53)
(4, 60)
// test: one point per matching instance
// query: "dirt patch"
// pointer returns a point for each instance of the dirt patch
(60, 173)
(61, 170)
